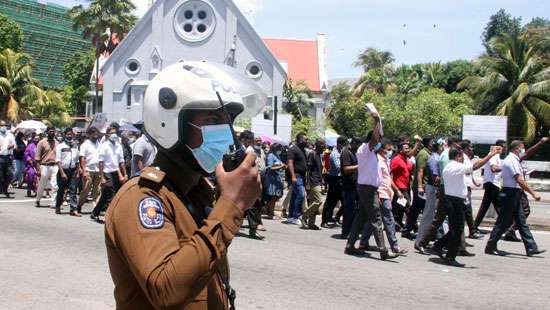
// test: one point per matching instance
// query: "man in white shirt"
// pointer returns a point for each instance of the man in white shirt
(89, 165)
(144, 153)
(456, 192)
(513, 184)
(66, 158)
(369, 179)
(492, 177)
(111, 171)
(7, 144)
(468, 149)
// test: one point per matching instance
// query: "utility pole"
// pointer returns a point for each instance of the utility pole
(275, 115)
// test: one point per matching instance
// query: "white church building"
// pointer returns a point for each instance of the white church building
(176, 30)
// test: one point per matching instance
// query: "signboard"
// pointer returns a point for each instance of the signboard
(261, 126)
(484, 129)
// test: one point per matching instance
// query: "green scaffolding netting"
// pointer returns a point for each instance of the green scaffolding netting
(48, 37)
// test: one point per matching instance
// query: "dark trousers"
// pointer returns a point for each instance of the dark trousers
(416, 208)
(511, 211)
(333, 196)
(6, 173)
(368, 213)
(455, 210)
(350, 206)
(70, 184)
(254, 216)
(469, 213)
(107, 192)
(399, 210)
(491, 195)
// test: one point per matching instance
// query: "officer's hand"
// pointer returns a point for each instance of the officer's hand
(242, 186)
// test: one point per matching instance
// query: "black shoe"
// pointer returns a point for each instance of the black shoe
(384, 255)
(256, 236)
(481, 232)
(437, 250)
(96, 219)
(353, 251)
(57, 211)
(368, 248)
(326, 225)
(465, 253)
(313, 227)
(452, 262)
(337, 222)
(511, 236)
(37, 204)
(491, 250)
(535, 252)
(7, 195)
(420, 249)
(408, 235)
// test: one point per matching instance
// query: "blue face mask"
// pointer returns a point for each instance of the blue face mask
(216, 140)
(378, 147)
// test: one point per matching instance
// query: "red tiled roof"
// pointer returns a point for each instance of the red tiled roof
(301, 58)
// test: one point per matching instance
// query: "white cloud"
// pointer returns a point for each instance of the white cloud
(249, 7)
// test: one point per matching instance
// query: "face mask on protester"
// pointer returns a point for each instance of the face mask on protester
(388, 153)
(377, 147)
(59, 138)
(521, 152)
(3, 130)
(113, 137)
(216, 140)
(131, 140)
(69, 139)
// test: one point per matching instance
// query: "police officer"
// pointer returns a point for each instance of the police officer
(166, 248)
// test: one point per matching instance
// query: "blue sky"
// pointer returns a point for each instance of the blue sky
(353, 25)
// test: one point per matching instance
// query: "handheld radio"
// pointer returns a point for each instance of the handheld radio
(236, 154)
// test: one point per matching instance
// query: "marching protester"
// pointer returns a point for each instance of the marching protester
(66, 157)
(456, 192)
(348, 163)
(30, 173)
(401, 169)
(297, 166)
(46, 166)
(513, 184)
(143, 154)
(334, 182)
(314, 186)
(18, 158)
(7, 144)
(254, 214)
(274, 178)
(89, 166)
(492, 178)
(369, 179)
(468, 149)
(112, 171)
(386, 191)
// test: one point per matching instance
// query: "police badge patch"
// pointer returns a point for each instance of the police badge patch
(150, 213)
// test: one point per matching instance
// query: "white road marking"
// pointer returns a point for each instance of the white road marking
(24, 200)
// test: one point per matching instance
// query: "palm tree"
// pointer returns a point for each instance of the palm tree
(100, 18)
(377, 71)
(371, 58)
(517, 84)
(297, 98)
(17, 86)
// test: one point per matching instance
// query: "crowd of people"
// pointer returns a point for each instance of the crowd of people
(366, 187)
(383, 185)
(72, 167)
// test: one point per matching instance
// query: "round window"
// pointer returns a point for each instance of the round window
(254, 70)
(132, 66)
(194, 20)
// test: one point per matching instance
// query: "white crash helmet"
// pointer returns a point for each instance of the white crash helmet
(194, 85)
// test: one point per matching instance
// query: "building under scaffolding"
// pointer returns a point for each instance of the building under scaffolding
(48, 37)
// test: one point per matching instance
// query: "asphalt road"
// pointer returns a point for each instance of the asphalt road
(59, 262)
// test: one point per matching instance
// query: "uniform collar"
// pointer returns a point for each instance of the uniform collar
(180, 174)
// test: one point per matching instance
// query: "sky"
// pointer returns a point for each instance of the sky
(434, 30)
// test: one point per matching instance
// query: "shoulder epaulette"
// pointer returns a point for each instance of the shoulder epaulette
(151, 177)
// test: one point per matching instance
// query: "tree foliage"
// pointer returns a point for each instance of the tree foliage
(499, 24)
(517, 84)
(11, 35)
(297, 97)
(77, 72)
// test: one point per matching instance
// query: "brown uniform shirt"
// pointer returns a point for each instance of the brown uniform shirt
(45, 152)
(158, 257)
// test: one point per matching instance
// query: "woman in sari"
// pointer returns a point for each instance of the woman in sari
(31, 177)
